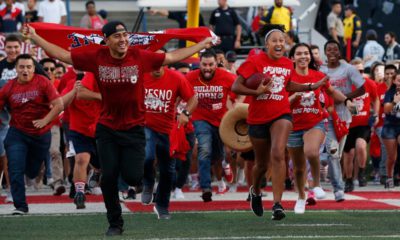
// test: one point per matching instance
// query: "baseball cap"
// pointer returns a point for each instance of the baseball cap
(111, 28)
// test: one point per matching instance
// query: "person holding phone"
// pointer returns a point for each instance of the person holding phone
(391, 128)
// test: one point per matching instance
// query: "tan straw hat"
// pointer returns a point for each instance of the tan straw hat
(234, 129)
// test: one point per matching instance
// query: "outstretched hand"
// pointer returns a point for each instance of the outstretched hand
(27, 31)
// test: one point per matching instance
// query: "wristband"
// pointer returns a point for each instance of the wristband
(186, 113)
(347, 99)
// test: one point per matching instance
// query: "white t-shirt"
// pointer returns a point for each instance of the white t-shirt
(372, 51)
(52, 11)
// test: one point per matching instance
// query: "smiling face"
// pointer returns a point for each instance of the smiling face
(332, 53)
(208, 65)
(302, 57)
(25, 70)
(275, 45)
(118, 42)
(12, 49)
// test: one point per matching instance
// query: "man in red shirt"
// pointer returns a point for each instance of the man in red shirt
(120, 135)
(163, 87)
(34, 103)
(212, 86)
(84, 115)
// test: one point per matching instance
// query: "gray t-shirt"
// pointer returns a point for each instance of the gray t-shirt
(343, 78)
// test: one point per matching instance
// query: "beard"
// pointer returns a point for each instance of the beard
(209, 77)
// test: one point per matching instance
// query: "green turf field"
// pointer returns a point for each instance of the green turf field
(209, 226)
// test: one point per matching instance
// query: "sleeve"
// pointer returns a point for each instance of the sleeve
(20, 18)
(373, 91)
(174, 15)
(331, 21)
(63, 10)
(85, 58)
(185, 89)
(151, 61)
(212, 18)
(89, 82)
(50, 91)
(356, 79)
(357, 24)
(68, 88)
(4, 92)
(235, 17)
(247, 69)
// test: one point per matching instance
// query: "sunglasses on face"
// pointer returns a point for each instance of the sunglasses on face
(47, 69)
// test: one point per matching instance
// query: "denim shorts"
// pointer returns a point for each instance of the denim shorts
(3, 134)
(390, 131)
(296, 137)
(262, 130)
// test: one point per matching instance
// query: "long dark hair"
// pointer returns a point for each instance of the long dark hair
(312, 65)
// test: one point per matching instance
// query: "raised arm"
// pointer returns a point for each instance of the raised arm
(52, 49)
(183, 53)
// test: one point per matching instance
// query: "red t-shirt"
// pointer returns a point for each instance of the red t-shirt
(160, 98)
(28, 102)
(84, 114)
(266, 107)
(120, 82)
(381, 90)
(307, 111)
(363, 104)
(69, 76)
(212, 95)
(97, 22)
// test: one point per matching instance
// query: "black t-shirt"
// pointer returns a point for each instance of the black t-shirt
(181, 18)
(225, 21)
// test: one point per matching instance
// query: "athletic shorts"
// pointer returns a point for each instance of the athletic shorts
(363, 132)
(262, 130)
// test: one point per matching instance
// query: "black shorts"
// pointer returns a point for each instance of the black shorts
(363, 132)
(262, 130)
(248, 156)
(85, 144)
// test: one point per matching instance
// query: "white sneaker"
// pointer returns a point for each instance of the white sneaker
(339, 196)
(300, 206)
(121, 196)
(232, 188)
(9, 198)
(221, 187)
(178, 194)
(50, 181)
(319, 193)
(96, 191)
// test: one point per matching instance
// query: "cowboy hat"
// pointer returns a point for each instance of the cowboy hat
(234, 129)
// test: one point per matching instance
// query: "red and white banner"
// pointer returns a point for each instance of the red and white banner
(74, 37)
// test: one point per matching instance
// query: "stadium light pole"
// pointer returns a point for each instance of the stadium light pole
(67, 5)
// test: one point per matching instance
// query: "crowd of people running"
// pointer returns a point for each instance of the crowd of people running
(112, 111)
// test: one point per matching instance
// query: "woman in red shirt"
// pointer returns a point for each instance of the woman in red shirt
(309, 122)
(269, 117)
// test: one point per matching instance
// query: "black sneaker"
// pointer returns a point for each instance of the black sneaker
(79, 200)
(162, 212)
(278, 213)
(131, 194)
(383, 180)
(206, 195)
(114, 231)
(349, 186)
(72, 191)
(256, 202)
(19, 211)
(362, 180)
(94, 179)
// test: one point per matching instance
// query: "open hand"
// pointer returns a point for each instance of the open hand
(40, 123)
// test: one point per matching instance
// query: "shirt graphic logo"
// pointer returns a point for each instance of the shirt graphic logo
(307, 99)
(278, 82)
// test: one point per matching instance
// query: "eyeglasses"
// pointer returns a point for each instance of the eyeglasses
(47, 69)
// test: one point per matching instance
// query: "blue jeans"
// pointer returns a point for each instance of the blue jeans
(382, 162)
(210, 148)
(334, 151)
(25, 154)
(157, 145)
(183, 167)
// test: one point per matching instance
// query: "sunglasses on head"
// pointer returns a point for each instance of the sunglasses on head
(47, 69)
